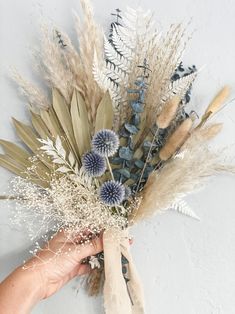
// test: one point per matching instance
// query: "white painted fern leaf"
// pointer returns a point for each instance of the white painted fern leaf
(120, 50)
(115, 57)
(120, 46)
(106, 80)
(179, 87)
(182, 207)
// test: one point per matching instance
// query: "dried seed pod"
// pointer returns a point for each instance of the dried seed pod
(219, 99)
(176, 140)
(168, 112)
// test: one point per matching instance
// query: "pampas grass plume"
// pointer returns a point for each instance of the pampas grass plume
(210, 131)
(176, 140)
(168, 112)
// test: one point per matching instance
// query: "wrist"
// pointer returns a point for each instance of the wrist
(23, 286)
(31, 281)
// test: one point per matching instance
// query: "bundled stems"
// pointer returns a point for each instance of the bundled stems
(147, 158)
(110, 168)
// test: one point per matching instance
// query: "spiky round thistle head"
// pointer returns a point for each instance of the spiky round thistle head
(112, 193)
(94, 164)
(105, 143)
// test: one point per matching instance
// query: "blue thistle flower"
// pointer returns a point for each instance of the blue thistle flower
(112, 193)
(105, 143)
(94, 164)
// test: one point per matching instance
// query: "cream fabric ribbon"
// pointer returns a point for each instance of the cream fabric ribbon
(120, 297)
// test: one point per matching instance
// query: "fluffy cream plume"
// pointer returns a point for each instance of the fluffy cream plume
(180, 176)
(90, 37)
(168, 112)
(163, 61)
(54, 66)
(74, 62)
(209, 131)
(36, 98)
(163, 57)
(176, 140)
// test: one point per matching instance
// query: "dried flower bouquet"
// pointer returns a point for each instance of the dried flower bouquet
(114, 144)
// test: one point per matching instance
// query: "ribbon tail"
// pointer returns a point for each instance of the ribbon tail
(120, 295)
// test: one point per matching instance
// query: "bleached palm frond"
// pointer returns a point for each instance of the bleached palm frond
(182, 207)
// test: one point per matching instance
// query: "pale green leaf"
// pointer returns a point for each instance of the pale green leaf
(104, 115)
(28, 136)
(39, 125)
(80, 123)
(63, 115)
(16, 152)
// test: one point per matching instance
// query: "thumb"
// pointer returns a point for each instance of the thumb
(93, 247)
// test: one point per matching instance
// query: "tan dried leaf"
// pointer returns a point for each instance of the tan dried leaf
(64, 117)
(80, 123)
(104, 115)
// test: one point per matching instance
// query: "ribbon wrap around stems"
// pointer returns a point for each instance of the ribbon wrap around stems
(120, 296)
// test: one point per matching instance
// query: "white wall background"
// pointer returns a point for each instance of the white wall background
(187, 267)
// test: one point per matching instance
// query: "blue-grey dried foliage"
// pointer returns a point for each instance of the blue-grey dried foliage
(130, 168)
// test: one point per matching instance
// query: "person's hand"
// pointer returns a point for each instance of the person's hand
(46, 273)
(60, 261)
